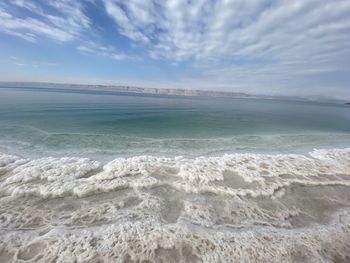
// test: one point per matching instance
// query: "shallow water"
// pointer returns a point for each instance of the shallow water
(56, 123)
(258, 193)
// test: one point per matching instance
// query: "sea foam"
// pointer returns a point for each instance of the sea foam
(232, 208)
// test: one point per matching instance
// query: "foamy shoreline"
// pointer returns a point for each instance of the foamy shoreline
(237, 207)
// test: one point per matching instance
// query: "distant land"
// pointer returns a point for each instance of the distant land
(117, 89)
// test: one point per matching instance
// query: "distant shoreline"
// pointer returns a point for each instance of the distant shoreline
(119, 89)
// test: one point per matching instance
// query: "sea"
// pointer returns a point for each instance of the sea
(94, 176)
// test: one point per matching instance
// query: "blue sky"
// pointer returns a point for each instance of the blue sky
(255, 46)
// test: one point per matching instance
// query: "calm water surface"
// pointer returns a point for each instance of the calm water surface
(56, 123)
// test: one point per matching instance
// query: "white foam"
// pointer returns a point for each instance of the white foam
(9, 162)
(145, 240)
(237, 207)
(62, 176)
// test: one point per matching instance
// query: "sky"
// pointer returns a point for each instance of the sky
(278, 47)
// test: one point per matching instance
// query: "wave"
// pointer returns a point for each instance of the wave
(235, 207)
(29, 141)
(83, 176)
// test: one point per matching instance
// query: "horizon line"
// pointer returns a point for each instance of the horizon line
(163, 91)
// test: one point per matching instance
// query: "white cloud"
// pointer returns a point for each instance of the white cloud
(235, 36)
(181, 29)
(67, 23)
(126, 25)
(94, 49)
(33, 64)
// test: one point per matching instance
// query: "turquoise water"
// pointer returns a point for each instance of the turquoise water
(218, 208)
(56, 123)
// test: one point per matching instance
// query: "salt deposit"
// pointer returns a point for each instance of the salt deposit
(233, 208)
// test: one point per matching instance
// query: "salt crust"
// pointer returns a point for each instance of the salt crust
(231, 208)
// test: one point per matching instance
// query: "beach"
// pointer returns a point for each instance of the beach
(153, 179)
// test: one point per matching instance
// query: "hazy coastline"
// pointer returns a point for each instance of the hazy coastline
(129, 90)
